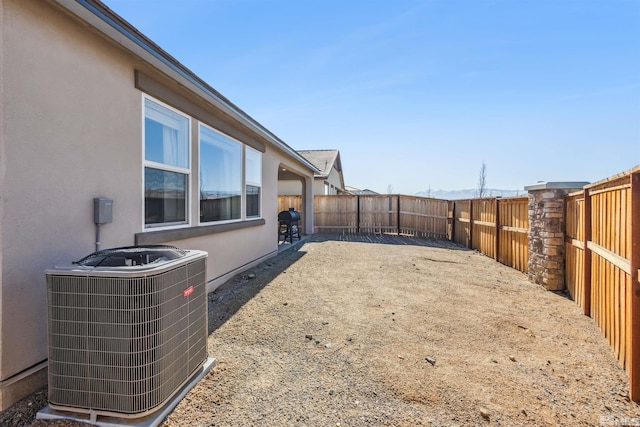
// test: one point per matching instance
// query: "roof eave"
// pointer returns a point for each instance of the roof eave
(108, 23)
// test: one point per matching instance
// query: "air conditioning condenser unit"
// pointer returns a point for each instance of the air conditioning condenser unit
(127, 328)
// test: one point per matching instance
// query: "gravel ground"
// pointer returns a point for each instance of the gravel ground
(394, 331)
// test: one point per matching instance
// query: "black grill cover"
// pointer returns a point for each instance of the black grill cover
(288, 216)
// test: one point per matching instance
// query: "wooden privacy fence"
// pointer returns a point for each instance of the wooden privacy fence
(602, 250)
(495, 227)
(407, 215)
(295, 202)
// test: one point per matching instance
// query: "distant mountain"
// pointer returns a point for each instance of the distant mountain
(468, 194)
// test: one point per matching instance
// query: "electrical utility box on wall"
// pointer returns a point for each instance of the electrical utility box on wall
(102, 210)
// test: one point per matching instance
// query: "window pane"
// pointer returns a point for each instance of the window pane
(166, 136)
(165, 196)
(253, 201)
(253, 171)
(254, 167)
(220, 177)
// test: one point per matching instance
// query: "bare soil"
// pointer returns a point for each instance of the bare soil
(395, 331)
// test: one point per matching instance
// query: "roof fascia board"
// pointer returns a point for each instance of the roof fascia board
(103, 20)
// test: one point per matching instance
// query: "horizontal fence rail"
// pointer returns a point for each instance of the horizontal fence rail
(423, 217)
(495, 227)
(602, 257)
(513, 226)
(336, 214)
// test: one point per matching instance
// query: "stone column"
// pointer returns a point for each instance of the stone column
(546, 232)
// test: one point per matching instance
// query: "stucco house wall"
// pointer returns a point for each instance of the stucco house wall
(71, 123)
(330, 185)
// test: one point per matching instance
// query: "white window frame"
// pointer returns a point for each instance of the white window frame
(164, 167)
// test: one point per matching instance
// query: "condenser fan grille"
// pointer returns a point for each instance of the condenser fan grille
(125, 344)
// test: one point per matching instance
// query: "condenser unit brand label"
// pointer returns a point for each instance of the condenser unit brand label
(188, 291)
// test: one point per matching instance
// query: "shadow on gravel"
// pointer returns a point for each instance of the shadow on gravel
(227, 299)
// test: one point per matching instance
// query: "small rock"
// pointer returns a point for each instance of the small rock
(430, 360)
(327, 345)
(324, 322)
(309, 336)
(512, 358)
(485, 413)
(251, 276)
(317, 341)
(523, 412)
(285, 303)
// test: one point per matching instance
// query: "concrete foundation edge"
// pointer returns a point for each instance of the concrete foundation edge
(12, 390)
(152, 420)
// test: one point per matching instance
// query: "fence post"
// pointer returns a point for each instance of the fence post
(398, 214)
(497, 241)
(470, 224)
(586, 252)
(453, 221)
(358, 214)
(546, 232)
(634, 292)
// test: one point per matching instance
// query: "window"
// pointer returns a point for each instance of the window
(229, 178)
(220, 176)
(253, 182)
(166, 166)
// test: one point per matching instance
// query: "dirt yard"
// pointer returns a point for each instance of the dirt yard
(388, 331)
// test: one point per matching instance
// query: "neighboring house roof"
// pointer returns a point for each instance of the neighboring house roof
(323, 160)
(97, 15)
(358, 192)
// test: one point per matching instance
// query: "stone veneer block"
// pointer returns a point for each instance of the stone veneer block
(546, 232)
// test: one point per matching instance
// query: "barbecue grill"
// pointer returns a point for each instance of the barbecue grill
(289, 225)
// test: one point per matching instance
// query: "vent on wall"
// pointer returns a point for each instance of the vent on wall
(127, 328)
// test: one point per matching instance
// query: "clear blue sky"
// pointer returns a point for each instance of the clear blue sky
(418, 94)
